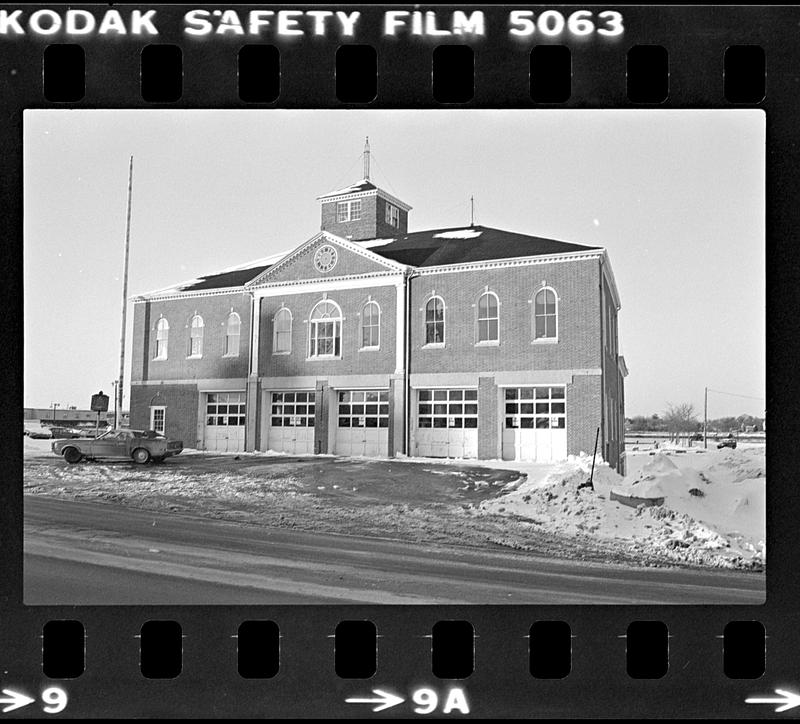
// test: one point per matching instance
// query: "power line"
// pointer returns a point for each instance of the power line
(734, 394)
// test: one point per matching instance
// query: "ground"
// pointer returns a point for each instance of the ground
(537, 508)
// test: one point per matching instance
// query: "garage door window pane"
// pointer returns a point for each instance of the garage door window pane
(471, 422)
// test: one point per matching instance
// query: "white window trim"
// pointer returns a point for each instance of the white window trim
(202, 327)
(312, 322)
(275, 331)
(543, 340)
(227, 336)
(158, 357)
(349, 205)
(486, 342)
(392, 215)
(434, 345)
(373, 347)
(153, 409)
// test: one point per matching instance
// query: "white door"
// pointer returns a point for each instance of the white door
(291, 423)
(447, 423)
(535, 424)
(362, 423)
(225, 415)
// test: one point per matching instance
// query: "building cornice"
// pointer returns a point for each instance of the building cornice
(361, 194)
(169, 296)
(511, 262)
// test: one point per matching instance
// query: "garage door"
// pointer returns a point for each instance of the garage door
(225, 414)
(362, 426)
(291, 423)
(534, 424)
(447, 423)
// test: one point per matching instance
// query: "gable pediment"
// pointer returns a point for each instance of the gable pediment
(325, 256)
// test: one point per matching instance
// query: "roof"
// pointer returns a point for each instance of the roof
(223, 280)
(435, 247)
(468, 244)
(358, 187)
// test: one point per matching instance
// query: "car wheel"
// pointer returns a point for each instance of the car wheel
(72, 455)
(141, 455)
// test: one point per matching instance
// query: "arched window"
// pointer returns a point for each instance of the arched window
(488, 318)
(196, 337)
(282, 332)
(233, 332)
(370, 325)
(326, 330)
(545, 314)
(162, 337)
(434, 321)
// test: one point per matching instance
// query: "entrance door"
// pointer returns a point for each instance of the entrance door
(362, 426)
(447, 423)
(225, 415)
(534, 424)
(291, 423)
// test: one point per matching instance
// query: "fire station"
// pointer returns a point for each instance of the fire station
(368, 339)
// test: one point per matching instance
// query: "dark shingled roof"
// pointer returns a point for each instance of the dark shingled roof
(236, 278)
(429, 248)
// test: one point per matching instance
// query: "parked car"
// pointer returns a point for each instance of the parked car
(727, 442)
(38, 433)
(63, 433)
(141, 446)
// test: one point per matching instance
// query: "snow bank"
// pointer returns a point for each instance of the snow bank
(714, 515)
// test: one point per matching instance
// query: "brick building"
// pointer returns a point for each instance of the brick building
(370, 340)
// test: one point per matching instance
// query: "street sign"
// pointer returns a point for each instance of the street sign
(99, 402)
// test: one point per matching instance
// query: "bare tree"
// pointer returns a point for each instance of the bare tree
(680, 419)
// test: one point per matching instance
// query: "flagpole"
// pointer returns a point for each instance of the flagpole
(118, 401)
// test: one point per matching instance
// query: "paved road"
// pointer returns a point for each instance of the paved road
(94, 553)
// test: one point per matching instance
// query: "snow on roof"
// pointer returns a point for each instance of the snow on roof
(362, 185)
(369, 243)
(266, 261)
(470, 233)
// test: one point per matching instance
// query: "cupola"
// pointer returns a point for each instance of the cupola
(363, 211)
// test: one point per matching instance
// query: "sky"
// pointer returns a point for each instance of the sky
(676, 197)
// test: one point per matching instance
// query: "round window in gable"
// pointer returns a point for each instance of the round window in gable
(325, 258)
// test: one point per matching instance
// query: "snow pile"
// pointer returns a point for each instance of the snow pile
(709, 516)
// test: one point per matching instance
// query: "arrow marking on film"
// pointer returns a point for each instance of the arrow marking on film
(15, 700)
(787, 700)
(385, 700)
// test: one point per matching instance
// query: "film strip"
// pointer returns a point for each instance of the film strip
(184, 597)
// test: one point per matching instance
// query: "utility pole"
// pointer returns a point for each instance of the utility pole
(705, 421)
(119, 388)
(472, 211)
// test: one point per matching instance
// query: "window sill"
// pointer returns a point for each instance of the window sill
(488, 343)
(546, 340)
(433, 345)
(160, 359)
(281, 354)
(194, 356)
(323, 358)
(369, 349)
(230, 355)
